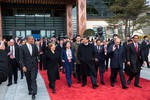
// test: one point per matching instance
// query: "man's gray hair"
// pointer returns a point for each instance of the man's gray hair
(28, 36)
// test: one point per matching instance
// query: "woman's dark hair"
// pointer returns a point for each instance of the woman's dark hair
(66, 44)
(22, 41)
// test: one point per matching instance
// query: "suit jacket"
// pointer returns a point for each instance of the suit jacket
(117, 56)
(64, 56)
(87, 55)
(26, 59)
(136, 59)
(101, 53)
(75, 46)
(16, 52)
(59, 50)
(145, 48)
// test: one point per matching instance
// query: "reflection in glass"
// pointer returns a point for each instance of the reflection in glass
(28, 32)
(48, 34)
(53, 33)
(23, 34)
(17, 33)
(43, 33)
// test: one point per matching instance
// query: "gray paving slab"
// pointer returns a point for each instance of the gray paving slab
(19, 91)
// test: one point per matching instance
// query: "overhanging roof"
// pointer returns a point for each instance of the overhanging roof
(44, 2)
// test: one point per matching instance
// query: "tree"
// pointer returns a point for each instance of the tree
(128, 10)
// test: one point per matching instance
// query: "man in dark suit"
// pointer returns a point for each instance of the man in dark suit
(106, 55)
(29, 62)
(101, 60)
(3, 63)
(87, 55)
(116, 53)
(40, 54)
(112, 42)
(135, 60)
(145, 49)
(59, 49)
(75, 46)
(13, 55)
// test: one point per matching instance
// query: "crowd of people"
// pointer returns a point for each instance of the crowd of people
(80, 57)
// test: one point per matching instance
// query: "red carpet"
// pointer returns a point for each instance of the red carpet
(76, 92)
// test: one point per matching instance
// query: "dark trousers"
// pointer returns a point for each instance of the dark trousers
(52, 84)
(78, 71)
(146, 58)
(101, 66)
(114, 72)
(63, 67)
(137, 77)
(13, 70)
(41, 62)
(3, 77)
(92, 76)
(68, 72)
(31, 80)
(106, 62)
(21, 72)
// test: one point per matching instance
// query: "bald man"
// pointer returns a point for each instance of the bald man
(117, 59)
(13, 56)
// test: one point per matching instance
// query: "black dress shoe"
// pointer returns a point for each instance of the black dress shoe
(33, 97)
(138, 86)
(0, 83)
(30, 93)
(102, 82)
(124, 87)
(95, 86)
(79, 81)
(129, 82)
(112, 84)
(15, 82)
(69, 85)
(83, 84)
(54, 90)
(9, 84)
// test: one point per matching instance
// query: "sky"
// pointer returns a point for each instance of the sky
(149, 2)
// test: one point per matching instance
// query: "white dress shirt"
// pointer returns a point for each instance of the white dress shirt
(30, 48)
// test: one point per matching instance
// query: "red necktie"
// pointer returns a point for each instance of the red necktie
(136, 47)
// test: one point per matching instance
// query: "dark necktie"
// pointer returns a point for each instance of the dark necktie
(98, 49)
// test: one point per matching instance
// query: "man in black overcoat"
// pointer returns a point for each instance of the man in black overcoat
(87, 56)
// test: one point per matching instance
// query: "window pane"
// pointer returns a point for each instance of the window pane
(42, 33)
(28, 32)
(23, 34)
(48, 34)
(17, 33)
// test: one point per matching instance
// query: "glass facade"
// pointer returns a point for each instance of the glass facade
(99, 8)
(39, 23)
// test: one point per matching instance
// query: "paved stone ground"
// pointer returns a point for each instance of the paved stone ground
(19, 91)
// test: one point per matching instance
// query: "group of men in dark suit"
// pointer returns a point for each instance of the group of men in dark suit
(89, 59)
